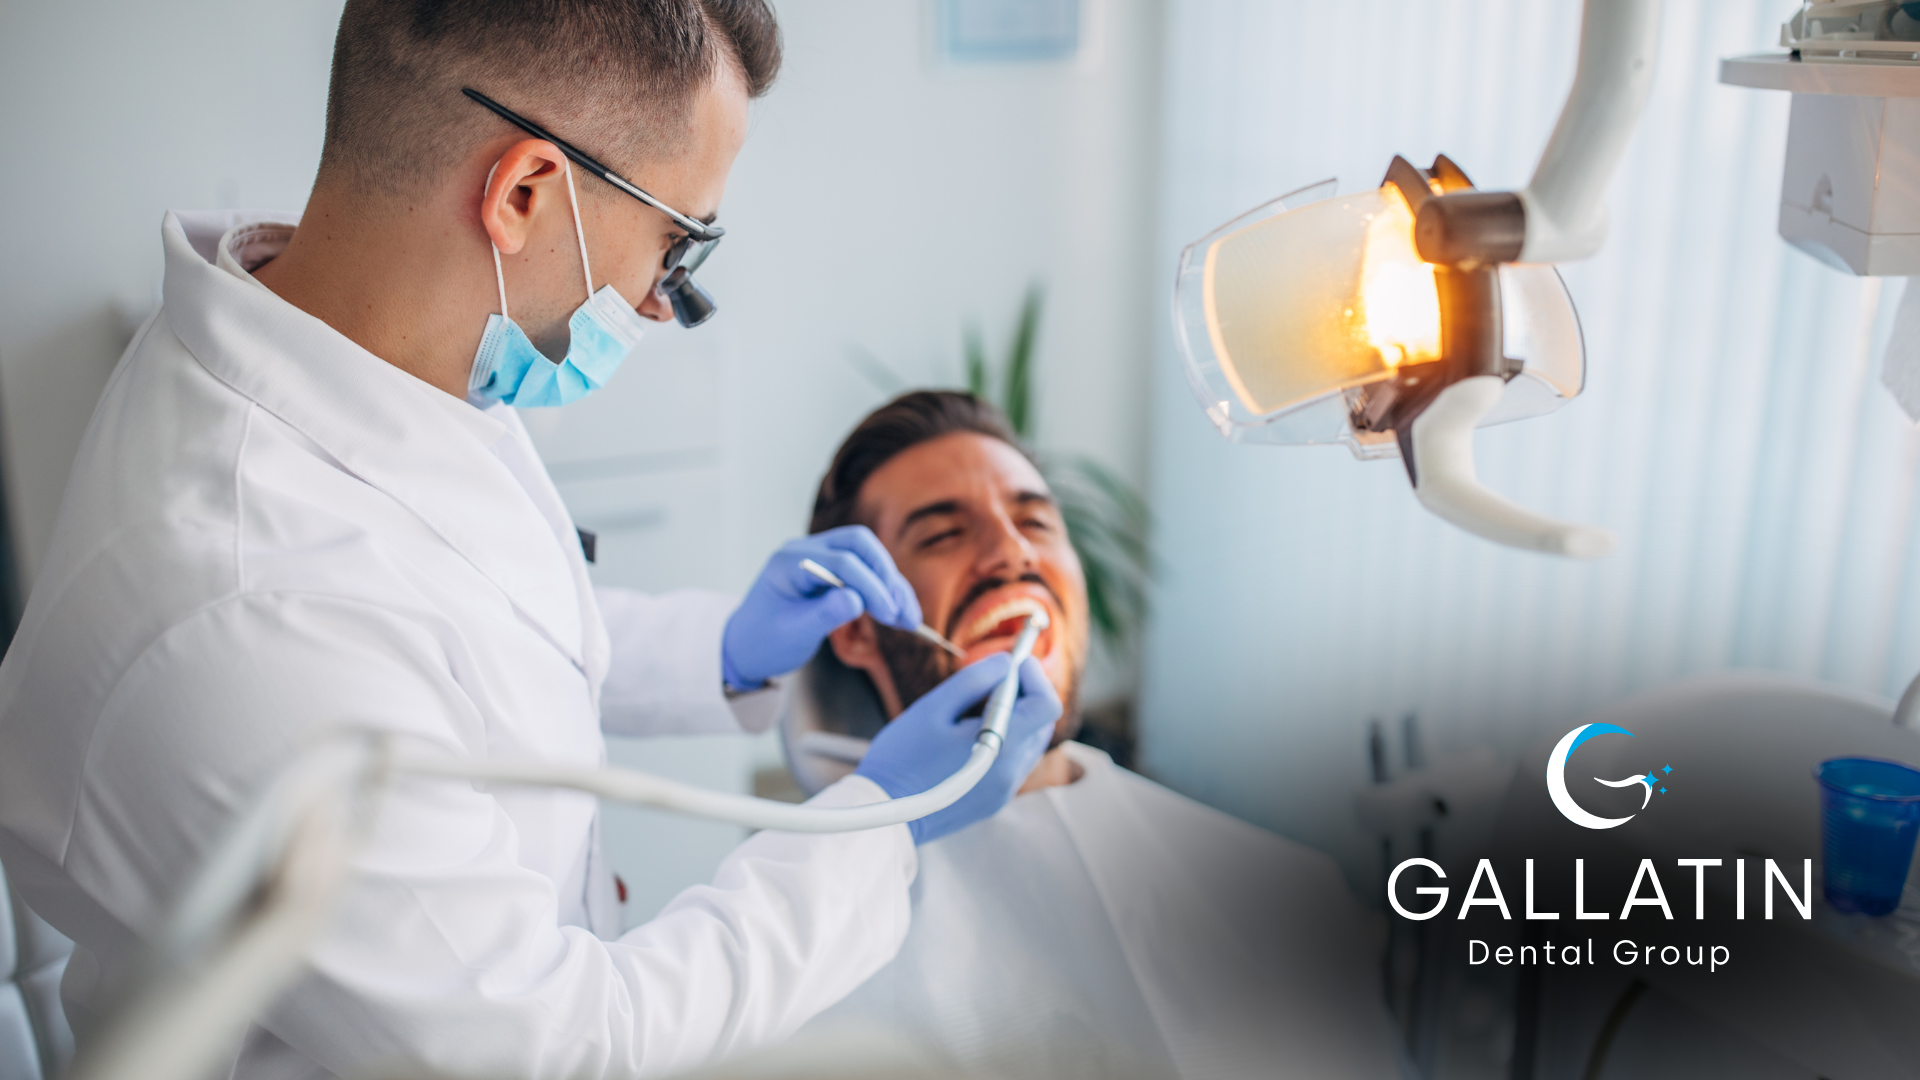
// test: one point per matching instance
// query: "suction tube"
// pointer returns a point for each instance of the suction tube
(642, 789)
(355, 765)
(240, 932)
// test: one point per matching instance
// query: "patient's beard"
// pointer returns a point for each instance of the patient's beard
(918, 667)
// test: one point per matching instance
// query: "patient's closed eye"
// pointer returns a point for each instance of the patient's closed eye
(951, 533)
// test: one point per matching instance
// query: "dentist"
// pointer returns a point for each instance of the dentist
(305, 500)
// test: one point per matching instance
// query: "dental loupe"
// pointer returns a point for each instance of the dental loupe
(1398, 320)
(692, 303)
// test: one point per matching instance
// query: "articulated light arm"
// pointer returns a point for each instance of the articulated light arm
(1566, 218)
(1560, 216)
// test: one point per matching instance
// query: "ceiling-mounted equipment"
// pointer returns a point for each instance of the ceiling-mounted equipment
(1850, 192)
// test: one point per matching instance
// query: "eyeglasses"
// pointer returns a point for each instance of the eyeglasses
(692, 305)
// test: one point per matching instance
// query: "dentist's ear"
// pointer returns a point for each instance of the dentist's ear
(527, 180)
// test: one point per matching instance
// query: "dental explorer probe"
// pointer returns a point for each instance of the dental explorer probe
(923, 630)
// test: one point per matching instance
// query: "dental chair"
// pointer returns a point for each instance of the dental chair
(35, 1043)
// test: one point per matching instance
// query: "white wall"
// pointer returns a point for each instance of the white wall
(117, 111)
(884, 199)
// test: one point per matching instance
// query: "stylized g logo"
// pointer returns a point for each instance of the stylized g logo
(1557, 778)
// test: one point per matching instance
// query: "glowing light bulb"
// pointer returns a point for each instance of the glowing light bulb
(1399, 303)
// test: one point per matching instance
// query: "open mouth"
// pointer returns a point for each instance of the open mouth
(1000, 621)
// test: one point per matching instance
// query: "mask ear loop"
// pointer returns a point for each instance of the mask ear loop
(580, 234)
(499, 278)
(573, 202)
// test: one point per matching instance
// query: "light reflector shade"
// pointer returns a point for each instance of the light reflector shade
(1281, 311)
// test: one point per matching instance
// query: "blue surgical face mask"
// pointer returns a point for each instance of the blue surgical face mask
(603, 330)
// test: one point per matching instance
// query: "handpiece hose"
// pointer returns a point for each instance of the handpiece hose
(240, 932)
(627, 786)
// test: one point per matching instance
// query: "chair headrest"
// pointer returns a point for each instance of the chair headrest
(832, 713)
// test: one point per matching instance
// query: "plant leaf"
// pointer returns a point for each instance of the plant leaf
(1018, 402)
(876, 371)
(976, 358)
(1107, 520)
(1110, 528)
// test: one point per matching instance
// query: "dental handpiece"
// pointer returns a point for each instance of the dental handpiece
(923, 630)
(1000, 706)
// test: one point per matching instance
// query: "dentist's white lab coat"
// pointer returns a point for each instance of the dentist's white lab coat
(269, 530)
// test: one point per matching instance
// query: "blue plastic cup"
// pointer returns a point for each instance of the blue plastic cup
(1869, 816)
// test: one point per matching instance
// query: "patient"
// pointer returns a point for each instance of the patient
(1100, 925)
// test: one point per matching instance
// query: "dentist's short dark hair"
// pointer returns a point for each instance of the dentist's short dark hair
(892, 429)
(616, 78)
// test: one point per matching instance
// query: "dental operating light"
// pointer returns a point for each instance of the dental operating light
(1398, 320)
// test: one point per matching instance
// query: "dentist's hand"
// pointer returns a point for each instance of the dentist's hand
(928, 742)
(789, 612)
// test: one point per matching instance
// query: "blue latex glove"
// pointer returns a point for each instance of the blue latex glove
(789, 612)
(928, 743)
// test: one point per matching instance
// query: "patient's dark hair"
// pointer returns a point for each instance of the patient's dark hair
(616, 78)
(893, 428)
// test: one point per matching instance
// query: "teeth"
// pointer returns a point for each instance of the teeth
(1018, 607)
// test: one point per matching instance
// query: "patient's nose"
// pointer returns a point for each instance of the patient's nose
(1005, 551)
